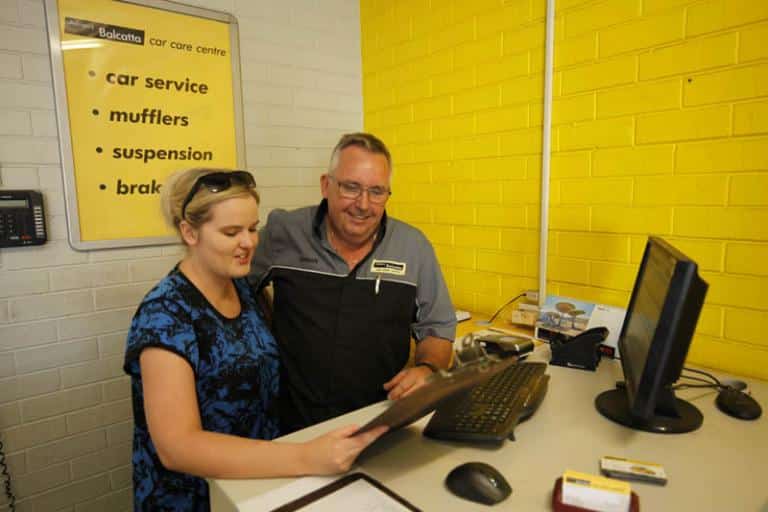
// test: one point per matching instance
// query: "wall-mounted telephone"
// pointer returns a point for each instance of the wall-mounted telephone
(581, 351)
(22, 218)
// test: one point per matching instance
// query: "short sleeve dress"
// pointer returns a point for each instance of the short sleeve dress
(235, 363)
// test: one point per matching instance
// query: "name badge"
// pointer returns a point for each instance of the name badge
(388, 267)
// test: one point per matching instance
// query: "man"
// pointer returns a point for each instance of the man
(350, 288)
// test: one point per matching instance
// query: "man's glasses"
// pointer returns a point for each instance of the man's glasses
(217, 182)
(353, 190)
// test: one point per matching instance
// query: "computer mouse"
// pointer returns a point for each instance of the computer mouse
(479, 482)
(738, 404)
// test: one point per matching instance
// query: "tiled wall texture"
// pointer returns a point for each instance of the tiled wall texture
(659, 127)
(65, 413)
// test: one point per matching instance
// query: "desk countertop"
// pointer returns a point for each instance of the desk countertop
(722, 466)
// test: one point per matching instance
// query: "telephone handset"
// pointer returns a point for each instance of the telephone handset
(581, 351)
(22, 218)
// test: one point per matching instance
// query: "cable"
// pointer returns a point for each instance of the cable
(493, 317)
(714, 379)
(699, 379)
(686, 386)
(7, 480)
(710, 382)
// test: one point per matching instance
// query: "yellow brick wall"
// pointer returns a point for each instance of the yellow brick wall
(660, 126)
(455, 89)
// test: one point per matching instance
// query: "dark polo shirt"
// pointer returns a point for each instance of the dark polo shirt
(342, 334)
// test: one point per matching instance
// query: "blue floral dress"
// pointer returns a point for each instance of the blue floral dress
(235, 363)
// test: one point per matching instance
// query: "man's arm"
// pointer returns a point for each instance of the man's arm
(435, 326)
(430, 352)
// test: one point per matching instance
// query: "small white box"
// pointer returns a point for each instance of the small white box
(522, 316)
(627, 469)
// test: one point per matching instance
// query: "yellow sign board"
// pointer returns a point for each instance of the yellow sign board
(143, 88)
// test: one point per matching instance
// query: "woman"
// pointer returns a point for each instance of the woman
(203, 365)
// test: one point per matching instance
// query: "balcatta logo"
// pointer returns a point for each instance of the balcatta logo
(103, 31)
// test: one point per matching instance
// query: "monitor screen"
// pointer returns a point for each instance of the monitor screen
(661, 318)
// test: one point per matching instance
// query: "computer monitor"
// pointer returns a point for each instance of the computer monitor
(654, 340)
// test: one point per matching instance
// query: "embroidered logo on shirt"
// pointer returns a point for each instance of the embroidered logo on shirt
(388, 267)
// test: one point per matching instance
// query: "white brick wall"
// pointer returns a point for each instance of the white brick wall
(65, 408)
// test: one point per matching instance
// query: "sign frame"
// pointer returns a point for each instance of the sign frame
(63, 116)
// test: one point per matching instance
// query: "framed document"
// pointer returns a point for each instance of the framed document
(143, 88)
(356, 491)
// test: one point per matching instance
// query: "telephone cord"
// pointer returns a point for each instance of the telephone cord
(7, 480)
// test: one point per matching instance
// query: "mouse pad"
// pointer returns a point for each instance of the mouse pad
(442, 386)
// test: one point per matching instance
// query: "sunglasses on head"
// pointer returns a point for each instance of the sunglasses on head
(217, 182)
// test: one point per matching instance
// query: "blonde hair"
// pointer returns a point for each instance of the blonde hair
(176, 189)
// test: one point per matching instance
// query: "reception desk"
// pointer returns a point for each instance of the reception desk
(723, 466)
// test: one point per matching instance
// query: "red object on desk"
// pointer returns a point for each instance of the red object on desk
(559, 506)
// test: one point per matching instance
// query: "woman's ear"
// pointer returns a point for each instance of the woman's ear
(188, 233)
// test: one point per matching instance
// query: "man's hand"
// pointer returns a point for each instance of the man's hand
(407, 381)
(436, 352)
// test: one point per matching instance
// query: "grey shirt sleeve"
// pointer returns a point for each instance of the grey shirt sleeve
(435, 314)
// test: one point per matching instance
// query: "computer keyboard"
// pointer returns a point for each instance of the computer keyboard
(490, 411)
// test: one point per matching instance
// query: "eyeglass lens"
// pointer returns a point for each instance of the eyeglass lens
(352, 190)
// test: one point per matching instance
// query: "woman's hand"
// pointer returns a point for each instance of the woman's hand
(335, 451)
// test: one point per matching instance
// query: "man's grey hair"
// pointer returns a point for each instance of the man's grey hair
(366, 141)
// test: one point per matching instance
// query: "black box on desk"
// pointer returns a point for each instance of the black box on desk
(581, 351)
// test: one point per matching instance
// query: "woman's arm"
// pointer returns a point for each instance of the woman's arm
(171, 408)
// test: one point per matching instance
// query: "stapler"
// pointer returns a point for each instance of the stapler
(505, 345)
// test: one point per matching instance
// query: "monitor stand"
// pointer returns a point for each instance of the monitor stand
(614, 405)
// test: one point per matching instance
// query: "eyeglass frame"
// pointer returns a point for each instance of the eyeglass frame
(243, 178)
(361, 189)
